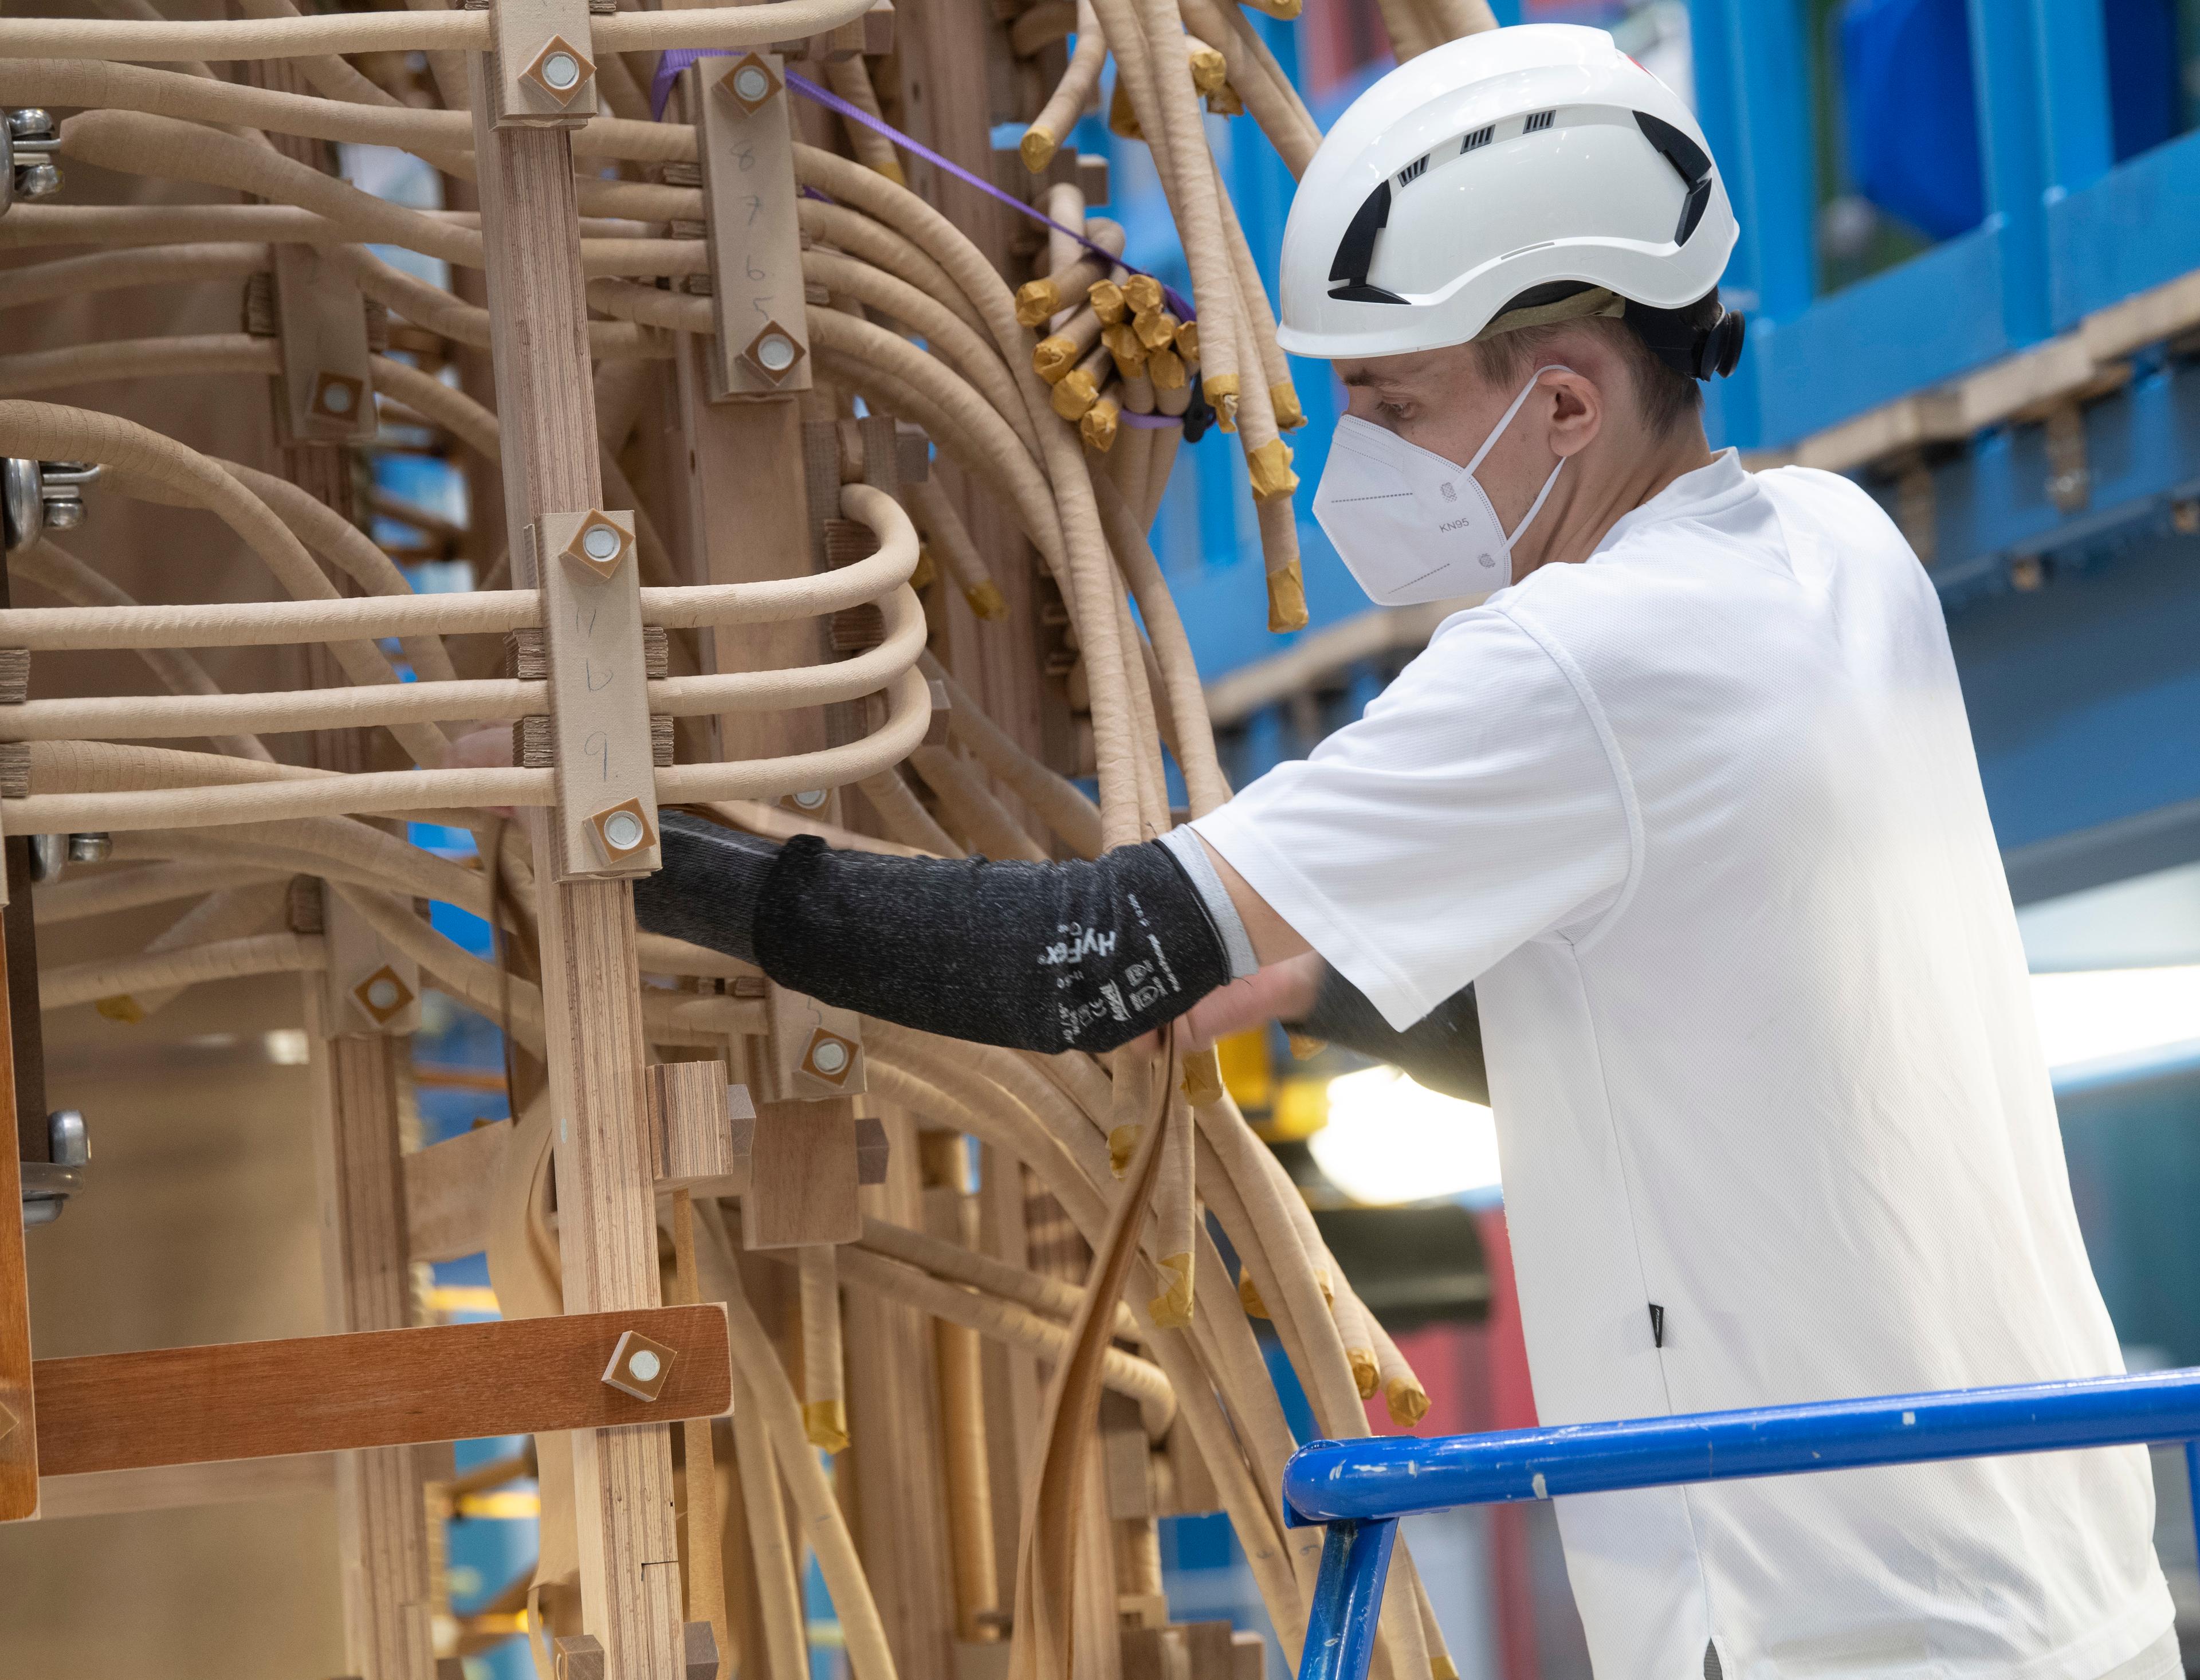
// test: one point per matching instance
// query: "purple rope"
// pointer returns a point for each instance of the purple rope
(1150, 422)
(673, 62)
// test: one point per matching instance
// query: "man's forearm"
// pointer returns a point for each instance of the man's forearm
(1441, 1050)
(1044, 956)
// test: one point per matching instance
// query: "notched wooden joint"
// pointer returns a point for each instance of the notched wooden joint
(579, 1657)
(775, 353)
(699, 1652)
(873, 1148)
(383, 995)
(622, 829)
(560, 69)
(639, 1366)
(601, 543)
(752, 83)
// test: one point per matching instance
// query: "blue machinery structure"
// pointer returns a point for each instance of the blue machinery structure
(1361, 1488)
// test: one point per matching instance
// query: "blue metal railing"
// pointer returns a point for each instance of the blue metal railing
(1361, 1488)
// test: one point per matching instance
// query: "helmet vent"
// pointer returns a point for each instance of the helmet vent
(1480, 137)
(1538, 121)
(1414, 171)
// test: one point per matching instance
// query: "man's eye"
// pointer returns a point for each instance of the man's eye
(1397, 413)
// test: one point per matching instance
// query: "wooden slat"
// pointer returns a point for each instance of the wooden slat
(448, 1188)
(241, 1400)
(19, 1444)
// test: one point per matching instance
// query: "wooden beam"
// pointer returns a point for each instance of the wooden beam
(622, 1484)
(385, 1388)
(448, 1188)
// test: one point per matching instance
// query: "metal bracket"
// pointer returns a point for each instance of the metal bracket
(29, 141)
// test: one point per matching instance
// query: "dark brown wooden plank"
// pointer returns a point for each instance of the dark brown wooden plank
(375, 1388)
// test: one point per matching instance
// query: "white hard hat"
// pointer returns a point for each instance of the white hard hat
(1510, 167)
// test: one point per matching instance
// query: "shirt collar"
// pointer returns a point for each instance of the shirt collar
(1708, 489)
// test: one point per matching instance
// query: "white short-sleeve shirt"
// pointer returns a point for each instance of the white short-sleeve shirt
(1701, 819)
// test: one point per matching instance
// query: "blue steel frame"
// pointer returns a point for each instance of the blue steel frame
(1361, 1488)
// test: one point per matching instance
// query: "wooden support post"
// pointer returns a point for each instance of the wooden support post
(382, 1516)
(591, 984)
(899, 1488)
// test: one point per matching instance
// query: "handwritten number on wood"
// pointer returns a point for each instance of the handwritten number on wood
(600, 744)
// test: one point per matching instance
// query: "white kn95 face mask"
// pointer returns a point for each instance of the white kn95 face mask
(1412, 526)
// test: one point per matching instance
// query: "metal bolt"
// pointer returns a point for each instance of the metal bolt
(776, 353)
(810, 798)
(751, 84)
(622, 829)
(336, 397)
(829, 1056)
(30, 123)
(38, 180)
(89, 848)
(382, 993)
(64, 514)
(71, 1143)
(23, 501)
(561, 70)
(643, 1366)
(600, 542)
(48, 853)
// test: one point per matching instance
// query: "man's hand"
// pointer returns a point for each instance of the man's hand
(1283, 991)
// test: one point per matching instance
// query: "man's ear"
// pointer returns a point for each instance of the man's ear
(1577, 411)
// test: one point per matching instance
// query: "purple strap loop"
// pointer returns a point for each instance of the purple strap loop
(673, 62)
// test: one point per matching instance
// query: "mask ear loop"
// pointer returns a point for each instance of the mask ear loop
(1498, 432)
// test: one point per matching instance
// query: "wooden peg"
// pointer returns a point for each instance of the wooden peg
(694, 1118)
(803, 1177)
(579, 1657)
(700, 1654)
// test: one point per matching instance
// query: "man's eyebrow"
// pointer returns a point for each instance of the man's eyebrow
(1361, 378)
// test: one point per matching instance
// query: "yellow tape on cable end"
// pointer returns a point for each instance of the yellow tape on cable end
(1098, 428)
(1052, 358)
(1037, 148)
(1365, 1375)
(987, 599)
(1122, 121)
(1284, 398)
(1249, 1296)
(891, 168)
(1222, 394)
(1074, 393)
(1106, 298)
(1407, 1400)
(1172, 1309)
(1122, 1145)
(825, 1425)
(121, 1007)
(1287, 607)
(1271, 467)
(1036, 303)
(1201, 1083)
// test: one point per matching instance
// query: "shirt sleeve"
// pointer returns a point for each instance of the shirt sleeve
(1474, 806)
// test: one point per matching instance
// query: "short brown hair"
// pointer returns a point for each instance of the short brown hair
(1667, 397)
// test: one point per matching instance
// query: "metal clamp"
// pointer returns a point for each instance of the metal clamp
(28, 143)
(48, 1185)
(39, 496)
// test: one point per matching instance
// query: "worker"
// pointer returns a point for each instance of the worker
(1689, 802)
